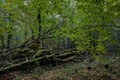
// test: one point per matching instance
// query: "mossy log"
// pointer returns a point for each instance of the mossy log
(55, 56)
(3, 69)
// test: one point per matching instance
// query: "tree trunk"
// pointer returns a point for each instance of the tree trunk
(39, 24)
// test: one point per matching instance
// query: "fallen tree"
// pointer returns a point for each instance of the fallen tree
(26, 54)
(62, 56)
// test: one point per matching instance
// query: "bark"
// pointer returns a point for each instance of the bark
(39, 20)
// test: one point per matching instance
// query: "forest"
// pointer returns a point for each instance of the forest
(59, 39)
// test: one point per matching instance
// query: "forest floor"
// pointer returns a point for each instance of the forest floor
(85, 70)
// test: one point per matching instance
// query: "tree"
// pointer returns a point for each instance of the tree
(94, 20)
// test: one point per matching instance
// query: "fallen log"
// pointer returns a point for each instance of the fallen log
(3, 69)
(33, 60)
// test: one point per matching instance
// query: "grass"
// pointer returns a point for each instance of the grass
(85, 70)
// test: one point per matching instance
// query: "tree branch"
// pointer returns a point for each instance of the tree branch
(36, 39)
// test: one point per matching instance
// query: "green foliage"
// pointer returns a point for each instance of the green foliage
(94, 21)
(88, 23)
